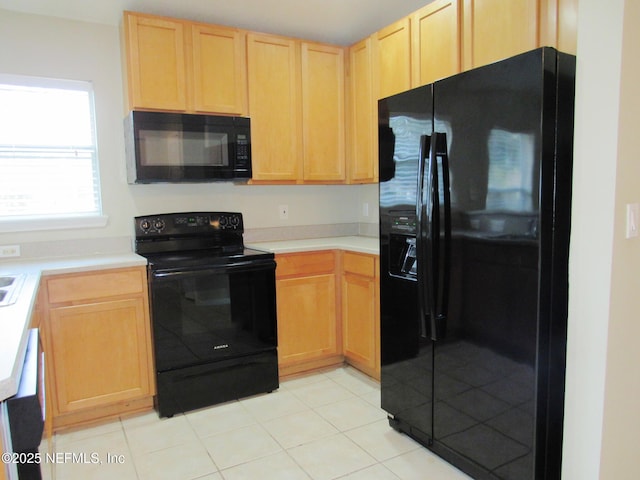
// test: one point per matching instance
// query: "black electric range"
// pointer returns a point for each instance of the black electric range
(213, 309)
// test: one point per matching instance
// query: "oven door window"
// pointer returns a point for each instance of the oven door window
(208, 315)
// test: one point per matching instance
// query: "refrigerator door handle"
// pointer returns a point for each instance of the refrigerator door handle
(433, 240)
(425, 297)
(441, 234)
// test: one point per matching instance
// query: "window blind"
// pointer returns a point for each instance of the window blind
(48, 155)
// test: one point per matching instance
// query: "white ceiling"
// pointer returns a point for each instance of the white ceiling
(341, 22)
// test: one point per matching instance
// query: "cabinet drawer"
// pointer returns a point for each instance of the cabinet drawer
(87, 286)
(359, 264)
(308, 263)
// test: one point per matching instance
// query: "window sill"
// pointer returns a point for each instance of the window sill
(52, 223)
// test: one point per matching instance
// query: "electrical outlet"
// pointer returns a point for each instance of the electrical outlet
(9, 251)
(365, 209)
(283, 212)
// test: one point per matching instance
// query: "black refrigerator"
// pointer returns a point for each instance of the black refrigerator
(475, 203)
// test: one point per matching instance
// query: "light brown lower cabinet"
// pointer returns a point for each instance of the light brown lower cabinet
(308, 328)
(327, 311)
(360, 312)
(97, 344)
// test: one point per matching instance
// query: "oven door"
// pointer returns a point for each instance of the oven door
(213, 313)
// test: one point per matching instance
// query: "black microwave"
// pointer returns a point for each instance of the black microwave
(178, 147)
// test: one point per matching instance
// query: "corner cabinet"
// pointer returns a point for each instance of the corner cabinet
(98, 344)
(361, 311)
(309, 334)
(328, 311)
(176, 65)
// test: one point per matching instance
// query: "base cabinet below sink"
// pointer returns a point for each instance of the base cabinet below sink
(97, 345)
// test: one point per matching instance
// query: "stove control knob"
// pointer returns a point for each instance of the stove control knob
(235, 221)
(223, 221)
(158, 224)
(145, 225)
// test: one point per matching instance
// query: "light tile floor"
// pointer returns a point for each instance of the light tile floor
(323, 426)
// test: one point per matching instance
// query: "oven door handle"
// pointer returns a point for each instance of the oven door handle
(241, 266)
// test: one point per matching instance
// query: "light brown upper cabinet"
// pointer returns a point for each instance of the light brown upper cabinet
(362, 161)
(498, 29)
(436, 31)
(323, 112)
(393, 58)
(155, 62)
(297, 106)
(176, 65)
(274, 100)
(219, 70)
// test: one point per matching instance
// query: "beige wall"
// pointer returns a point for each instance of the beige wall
(620, 454)
(603, 373)
(53, 47)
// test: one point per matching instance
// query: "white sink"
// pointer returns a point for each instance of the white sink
(10, 288)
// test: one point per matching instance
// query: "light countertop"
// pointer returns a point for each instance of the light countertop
(16, 318)
(352, 243)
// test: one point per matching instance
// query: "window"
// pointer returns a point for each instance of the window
(49, 175)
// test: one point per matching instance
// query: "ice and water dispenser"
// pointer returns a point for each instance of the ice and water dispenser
(402, 246)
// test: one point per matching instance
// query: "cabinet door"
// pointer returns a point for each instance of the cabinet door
(219, 70)
(558, 26)
(363, 158)
(99, 353)
(498, 29)
(436, 42)
(155, 63)
(323, 112)
(306, 318)
(393, 63)
(360, 318)
(274, 107)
